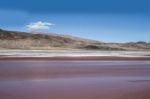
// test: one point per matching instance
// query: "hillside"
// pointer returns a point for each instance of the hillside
(24, 40)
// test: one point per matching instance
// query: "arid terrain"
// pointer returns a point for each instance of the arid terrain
(43, 66)
(52, 41)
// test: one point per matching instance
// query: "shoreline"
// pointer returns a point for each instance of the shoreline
(78, 58)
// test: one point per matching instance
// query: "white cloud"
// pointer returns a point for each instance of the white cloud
(39, 25)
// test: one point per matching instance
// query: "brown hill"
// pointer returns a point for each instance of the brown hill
(24, 40)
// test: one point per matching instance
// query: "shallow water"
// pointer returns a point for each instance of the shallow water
(72, 79)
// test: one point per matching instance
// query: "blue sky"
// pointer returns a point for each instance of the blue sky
(104, 20)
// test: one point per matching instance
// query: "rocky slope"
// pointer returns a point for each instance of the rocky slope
(23, 40)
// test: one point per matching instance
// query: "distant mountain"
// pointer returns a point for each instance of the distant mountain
(24, 40)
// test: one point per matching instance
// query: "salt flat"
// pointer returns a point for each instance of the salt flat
(53, 53)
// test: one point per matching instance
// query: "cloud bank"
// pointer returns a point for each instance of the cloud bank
(39, 25)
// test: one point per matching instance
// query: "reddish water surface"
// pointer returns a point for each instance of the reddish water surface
(73, 79)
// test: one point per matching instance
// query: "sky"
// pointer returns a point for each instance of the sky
(103, 20)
